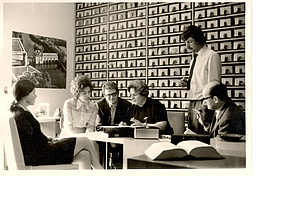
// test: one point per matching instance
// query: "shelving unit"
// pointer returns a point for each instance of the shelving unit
(127, 41)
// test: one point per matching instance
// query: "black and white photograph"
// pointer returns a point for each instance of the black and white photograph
(40, 59)
(151, 100)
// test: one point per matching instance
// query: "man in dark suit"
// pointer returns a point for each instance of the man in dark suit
(228, 119)
(111, 109)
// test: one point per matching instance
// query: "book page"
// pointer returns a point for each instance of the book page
(157, 148)
(189, 145)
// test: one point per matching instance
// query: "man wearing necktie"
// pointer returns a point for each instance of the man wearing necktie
(205, 67)
(229, 119)
(112, 111)
(112, 108)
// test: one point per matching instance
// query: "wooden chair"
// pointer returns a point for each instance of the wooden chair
(14, 154)
(176, 120)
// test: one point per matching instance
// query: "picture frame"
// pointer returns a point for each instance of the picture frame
(43, 110)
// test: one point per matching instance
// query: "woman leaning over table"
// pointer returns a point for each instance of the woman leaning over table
(79, 112)
(146, 111)
(37, 148)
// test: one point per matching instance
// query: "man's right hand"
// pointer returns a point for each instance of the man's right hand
(201, 119)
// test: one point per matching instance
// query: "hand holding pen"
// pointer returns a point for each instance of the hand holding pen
(138, 123)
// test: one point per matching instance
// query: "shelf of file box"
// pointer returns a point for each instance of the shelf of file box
(187, 22)
(90, 70)
(89, 16)
(94, 6)
(166, 44)
(168, 66)
(133, 37)
(169, 55)
(127, 9)
(226, 39)
(90, 25)
(141, 25)
(222, 28)
(233, 75)
(126, 78)
(205, 5)
(150, 15)
(216, 18)
(126, 39)
(78, 35)
(91, 52)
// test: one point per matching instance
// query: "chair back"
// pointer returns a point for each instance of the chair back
(13, 149)
(61, 122)
(176, 120)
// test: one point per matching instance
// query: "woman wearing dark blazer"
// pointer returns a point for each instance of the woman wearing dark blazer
(37, 148)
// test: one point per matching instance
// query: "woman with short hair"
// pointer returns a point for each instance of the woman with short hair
(146, 111)
(79, 112)
(37, 148)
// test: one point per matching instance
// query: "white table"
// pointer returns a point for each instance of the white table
(131, 146)
(229, 148)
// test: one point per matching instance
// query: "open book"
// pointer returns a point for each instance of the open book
(191, 148)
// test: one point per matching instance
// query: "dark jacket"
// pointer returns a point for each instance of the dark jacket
(231, 120)
(104, 111)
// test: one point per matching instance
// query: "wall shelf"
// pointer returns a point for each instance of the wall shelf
(123, 41)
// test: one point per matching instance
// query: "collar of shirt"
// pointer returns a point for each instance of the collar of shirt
(79, 104)
(202, 50)
(218, 111)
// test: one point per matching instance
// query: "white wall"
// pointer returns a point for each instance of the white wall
(47, 19)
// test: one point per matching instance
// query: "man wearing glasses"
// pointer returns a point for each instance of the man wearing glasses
(204, 68)
(111, 109)
(229, 119)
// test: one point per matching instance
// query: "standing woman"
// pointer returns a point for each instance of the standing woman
(37, 148)
(79, 112)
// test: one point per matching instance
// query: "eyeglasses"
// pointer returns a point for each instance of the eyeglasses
(203, 99)
(112, 95)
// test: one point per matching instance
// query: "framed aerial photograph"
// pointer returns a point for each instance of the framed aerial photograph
(41, 59)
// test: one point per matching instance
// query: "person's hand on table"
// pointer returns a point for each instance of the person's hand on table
(122, 123)
(137, 123)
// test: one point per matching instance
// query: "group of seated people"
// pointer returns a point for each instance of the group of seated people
(81, 114)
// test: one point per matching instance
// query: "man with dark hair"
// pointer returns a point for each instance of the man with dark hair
(111, 109)
(205, 67)
(229, 119)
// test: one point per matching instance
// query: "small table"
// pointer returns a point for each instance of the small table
(234, 154)
(144, 162)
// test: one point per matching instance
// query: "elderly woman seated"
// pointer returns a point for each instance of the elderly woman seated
(146, 111)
